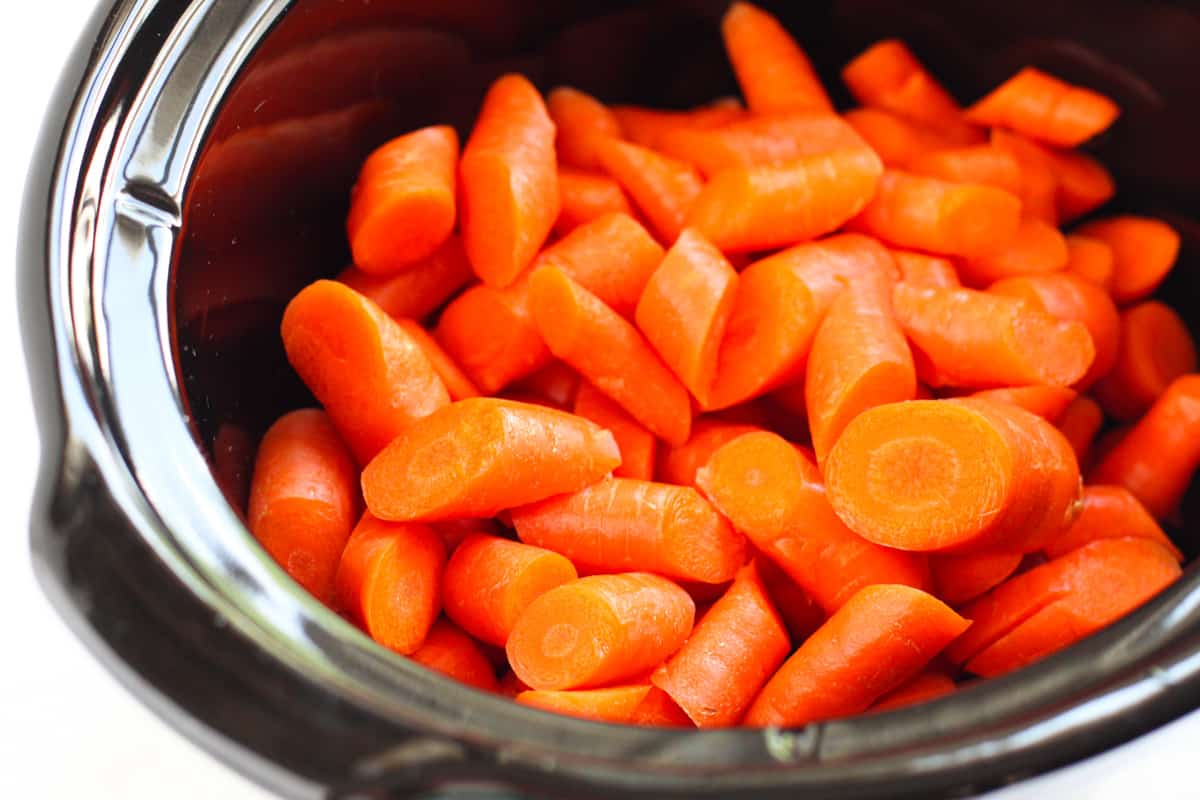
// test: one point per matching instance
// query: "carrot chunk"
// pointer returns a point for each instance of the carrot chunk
(1048, 402)
(586, 196)
(663, 189)
(924, 687)
(581, 124)
(419, 289)
(451, 652)
(1046, 108)
(1152, 348)
(1144, 250)
(457, 384)
(657, 708)
(637, 445)
(1090, 259)
(959, 578)
(1080, 423)
(899, 142)
(678, 465)
(1109, 512)
(980, 163)
(773, 71)
(1036, 248)
(611, 704)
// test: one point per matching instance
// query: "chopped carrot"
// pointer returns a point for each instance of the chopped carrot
(1090, 259)
(926, 271)
(1154, 347)
(829, 265)
(978, 163)
(624, 524)
(800, 613)
(662, 188)
(657, 708)
(1080, 423)
(1039, 186)
(581, 122)
(599, 630)
(1109, 512)
(479, 456)
(637, 445)
(773, 71)
(451, 652)
(402, 209)
(509, 181)
(678, 465)
(610, 704)
(457, 384)
(333, 333)
(389, 581)
(1048, 402)
(1144, 250)
(586, 196)
(1080, 183)
(1037, 248)
(882, 637)
(898, 141)
(959, 578)
(924, 687)
(420, 288)
(648, 127)
(1045, 108)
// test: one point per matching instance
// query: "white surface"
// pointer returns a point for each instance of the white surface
(76, 733)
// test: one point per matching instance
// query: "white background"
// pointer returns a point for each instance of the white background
(76, 733)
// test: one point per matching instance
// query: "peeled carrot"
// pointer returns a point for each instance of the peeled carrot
(662, 188)
(1157, 458)
(772, 70)
(648, 127)
(971, 339)
(637, 445)
(419, 289)
(678, 465)
(800, 613)
(1036, 248)
(958, 219)
(582, 331)
(489, 581)
(877, 641)
(924, 687)
(625, 524)
(454, 531)
(1090, 259)
(898, 141)
(1081, 183)
(612, 257)
(771, 492)
(925, 271)
(959, 578)
(509, 181)
(979, 163)
(555, 385)
(963, 475)
(1109, 512)
(1080, 423)
(1154, 348)
(581, 122)
(829, 265)
(372, 377)
(1045, 108)
(586, 196)
(402, 209)
(732, 651)
(611, 704)
(599, 630)
(859, 359)
(451, 652)
(1039, 186)
(1144, 250)
(685, 307)
(304, 498)
(389, 581)
(1048, 402)
(457, 384)
(479, 456)
(657, 708)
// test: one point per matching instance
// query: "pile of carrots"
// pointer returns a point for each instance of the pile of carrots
(751, 414)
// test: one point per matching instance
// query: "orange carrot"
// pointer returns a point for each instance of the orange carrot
(555, 385)
(925, 271)
(1039, 187)
(962, 475)
(1153, 348)
(581, 122)
(772, 70)
(402, 208)
(372, 377)
(1090, 259)
(454, 531)
(971, 339)
(1048, 402)
(731, 653)
(657, 708)
(924, 687)
(1037, 248)
(1045, 108)
(678, 465)
(304, 498)
(662, 188)
(389, 581)
(586, 196)
(457, 384)
(1080, 423)
(649, 127)
(582, 331)
(898, 141)
(980, 163)
(509, 181)
(479, 456)
(800, 613)
(637, 445)
(1144, 250)
(1158, 456)
(859, 359)
(829, 265)
(611, 704)
(957, 219)
(770, 491)
(625, 524)
(599, 630)
(1110, 512)
(1080, 182)
(420, 288)
(685, 307)
(612, 257)
(882, 637)
(451, 652)
(959, 578)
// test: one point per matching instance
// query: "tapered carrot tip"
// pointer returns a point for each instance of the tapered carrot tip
(611, 704)
(479, 456)
(965, 474)
(772, 70)
(1046, 108)
(453, 653)
(1144, 250)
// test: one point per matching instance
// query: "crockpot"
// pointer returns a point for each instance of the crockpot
(193, 173)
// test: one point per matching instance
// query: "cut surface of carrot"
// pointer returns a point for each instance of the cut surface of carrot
(663, 188)
(420, 288)
(773, 71)
(1109, 512)
(610, 704)
(1153, 348)
(638, 446)
(586, 196)
(1045, 108)
(453, 653)
(1144, 250)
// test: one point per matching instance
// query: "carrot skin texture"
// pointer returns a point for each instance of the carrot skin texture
(581, 122)
(960, 578)
(985, 164)
(458, 385)
(451, 652)
(662, 188)
(1090, 259)
(304, 498)
(1080, 423)
(638, 446)
(829, 265)
(610, 704)
(1144, 250)
(924, 687)
(1109, 512)
(1045, 108)
(586, 196)
(649, 127)
(877, 641)
(1036, 248)
(772, 70)
(678, 465)
(1039, 186)
(419, 289)
(1048, 402)
(1153, 348)
(899, 142)
(477, 457)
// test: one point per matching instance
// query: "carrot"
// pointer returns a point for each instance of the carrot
(389, 581)
(731, 653)
(924, 687)
(678, 465)
(829, 265)
(957, 219)
(585, 333)
(1037, 248)
(509, 181)
(772, 70)
(648, 127)
(625, 524)
(454, 531)
(771, 492)
(479, 456)
(420, 288)
(1157, 458)
(402, 208)
(581, 122)
(662, 188)
(611, 704)
(490, 334)
(1081, 183)
(961, 337)
(586, 196)
(1048, 402)
(657, 708)
(612, 257)
(1090, 259)
(877, 641)
(451, 652)
(859, 359)
(457, 384)
(1039, 187)
(756, 208)
(1144, 250)
(898, 141)
(1153, 348)
(372, 377)
(959, 578)
(555, 385)
(926, 271)
(489, 581)
(685, 307)
(799, 612)
(1109, 512)
(304, 498)
(1045, 108)
(599, 630)
(637, 445)
(962, 475)
(1072, 299)
(979, 163)
(1080, 423)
